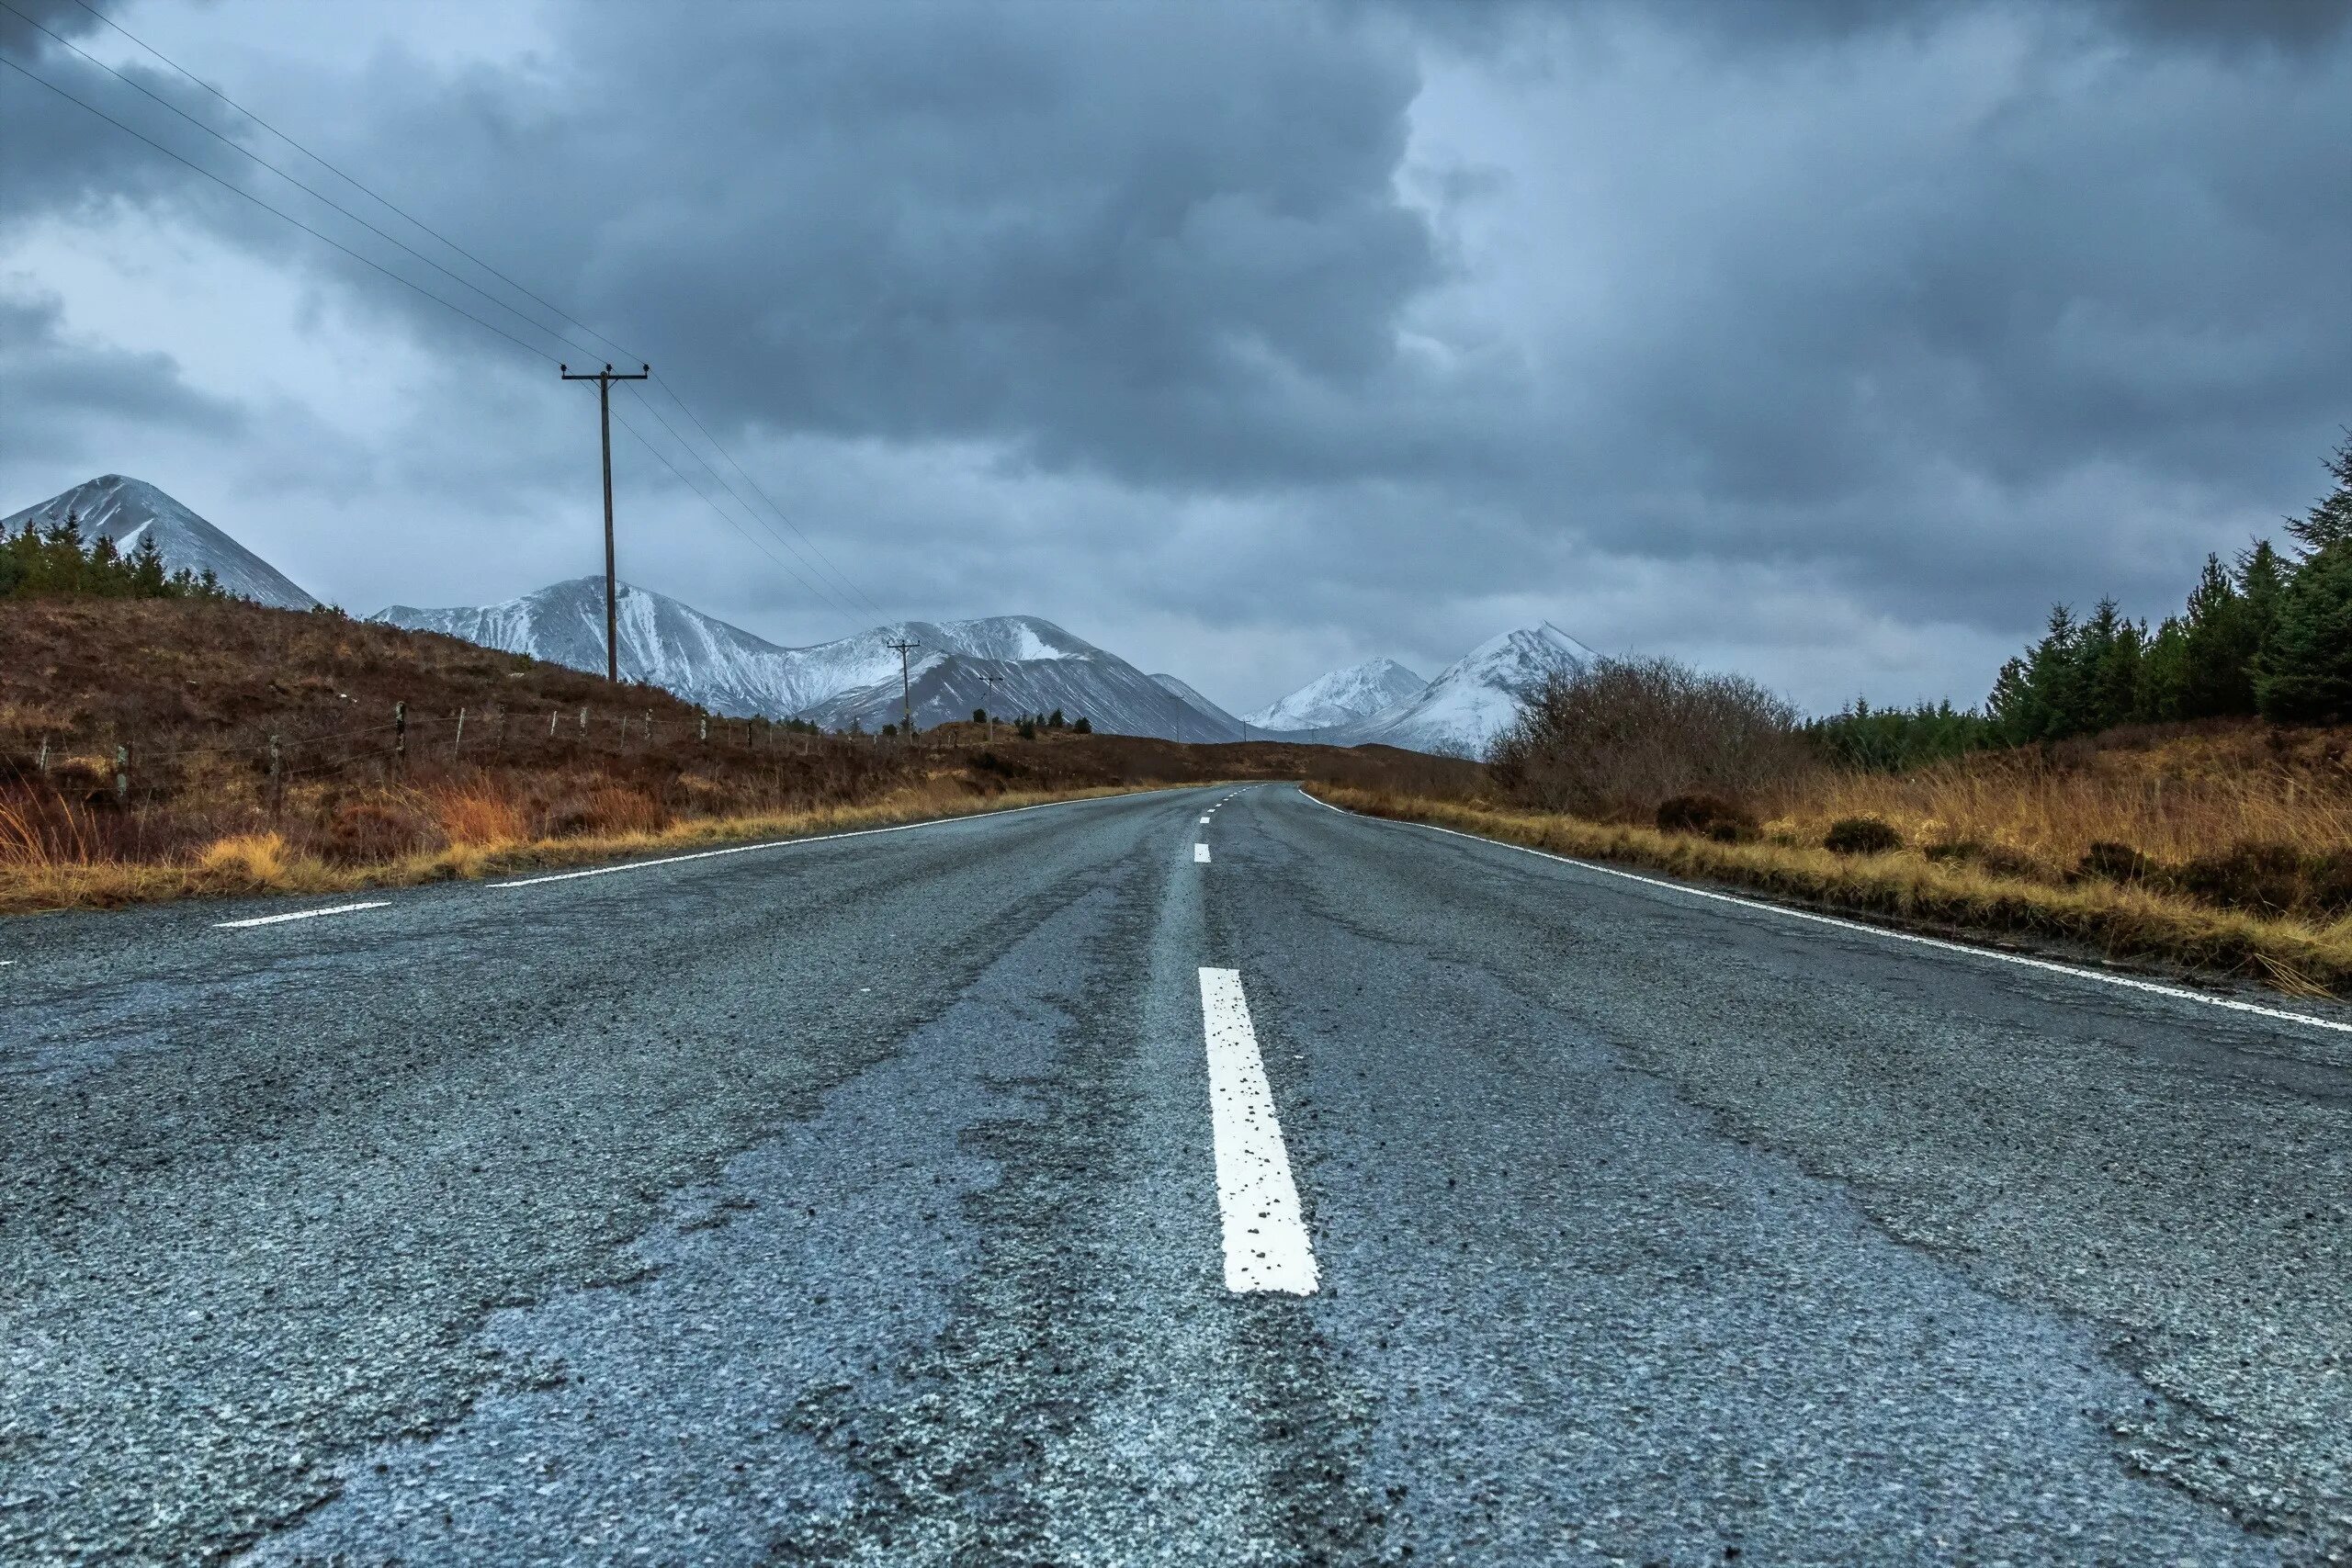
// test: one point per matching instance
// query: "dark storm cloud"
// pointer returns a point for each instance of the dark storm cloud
(56, 154)
(1149, 239)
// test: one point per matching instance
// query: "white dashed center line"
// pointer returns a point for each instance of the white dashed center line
(1266, 1247)
(297, 915)
(1200, 854)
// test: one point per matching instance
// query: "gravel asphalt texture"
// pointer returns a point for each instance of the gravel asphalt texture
(853, 1201)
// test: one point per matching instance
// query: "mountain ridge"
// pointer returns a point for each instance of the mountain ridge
(1340, 696)
(124, 510)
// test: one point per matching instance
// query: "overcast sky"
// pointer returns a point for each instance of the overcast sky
(1828, 341)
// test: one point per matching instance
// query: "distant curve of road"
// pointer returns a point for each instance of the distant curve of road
(1050, 1188)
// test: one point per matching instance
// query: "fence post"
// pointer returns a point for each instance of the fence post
(457, 742)
(122, 776)
(275, 787)
(583, 720)
(648, 727)
(43, 764)
(704, 739)
(552, 717)
(400, 735)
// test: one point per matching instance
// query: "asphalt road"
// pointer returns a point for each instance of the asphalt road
(1030, 1189)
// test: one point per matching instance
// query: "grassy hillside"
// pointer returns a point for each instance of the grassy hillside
(499, 760)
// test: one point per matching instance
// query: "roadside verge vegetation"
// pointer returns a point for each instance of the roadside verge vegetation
(2182, 795)
(2224, 846)
(168, 746)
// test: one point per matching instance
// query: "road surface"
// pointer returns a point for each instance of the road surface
(1041, 1188)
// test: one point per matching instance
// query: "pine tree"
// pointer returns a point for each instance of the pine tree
(2330, 519)
(2221, 644)
(148, 578)
(2108, 660)
(2306, 674)
(2163, 674)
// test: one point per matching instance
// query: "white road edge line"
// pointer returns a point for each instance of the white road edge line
(1266, 1247)
(1200, 854)
(1204, 819)
(2123, 982)
(789, 844)
(298, 915)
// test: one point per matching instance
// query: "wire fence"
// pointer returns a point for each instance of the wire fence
(412, 741)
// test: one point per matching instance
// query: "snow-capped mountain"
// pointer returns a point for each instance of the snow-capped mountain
(1473, 699)
(128, 511)
(1342, 696)
(1040, 668)
(852, 680)
(1184, 690)
(663, 643)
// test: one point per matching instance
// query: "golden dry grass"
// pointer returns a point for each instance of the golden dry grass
(263, 862)
(2125, 922)
(2188, 798)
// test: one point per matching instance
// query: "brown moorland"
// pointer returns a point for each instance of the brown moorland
(2224, 846)
(137, 738)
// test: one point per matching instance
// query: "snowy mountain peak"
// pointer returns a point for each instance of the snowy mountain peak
(1340, 696)
(854, 681)
(1542, 646)
(129, 511)
(1476, 697)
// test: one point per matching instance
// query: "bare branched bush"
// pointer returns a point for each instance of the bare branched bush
(1615, 741)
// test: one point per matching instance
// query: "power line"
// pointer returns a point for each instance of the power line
(838, 574)
(825, 595)
(307, 190)
(662, 458)
(748, 510)
(239, 190)
(565, 316)
(354, 184)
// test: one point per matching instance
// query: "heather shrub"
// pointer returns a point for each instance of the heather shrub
(1862, 836)
(606, 811)
(2112, 862)
(2264, 877)
(373, 829)
(1709, 816)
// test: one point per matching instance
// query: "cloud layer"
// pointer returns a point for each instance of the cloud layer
(1820, 338)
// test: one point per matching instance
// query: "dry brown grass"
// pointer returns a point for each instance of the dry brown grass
(2173, 799)
(2300, 956)
(197, 694)
(266, 862)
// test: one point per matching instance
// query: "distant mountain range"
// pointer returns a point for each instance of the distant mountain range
(1342, 696)
(126, 511)
(1006, 664)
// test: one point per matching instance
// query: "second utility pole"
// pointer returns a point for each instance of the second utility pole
(605, 379)
(994, 681)
(905, 711)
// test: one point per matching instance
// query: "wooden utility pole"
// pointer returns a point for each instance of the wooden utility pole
(994, 681)
(906, 708)
(605, 379)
